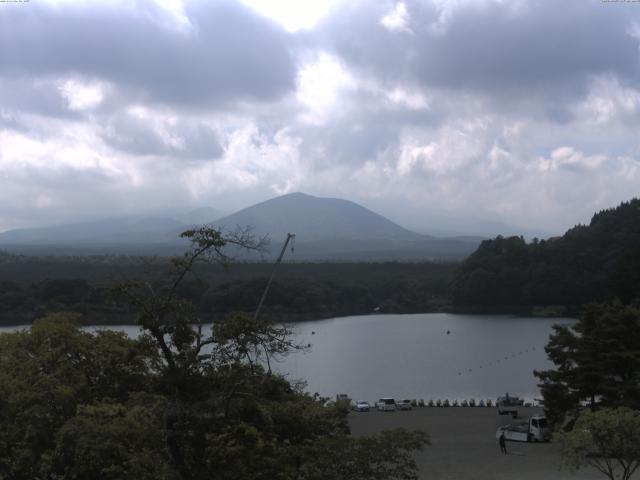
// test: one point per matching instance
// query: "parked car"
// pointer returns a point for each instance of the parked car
(404, 405)
(360, 406)
(386, 405)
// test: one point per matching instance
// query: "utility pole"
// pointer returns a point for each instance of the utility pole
(290, 236)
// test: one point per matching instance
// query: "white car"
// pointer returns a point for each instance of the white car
(386, 405)
(360, 406)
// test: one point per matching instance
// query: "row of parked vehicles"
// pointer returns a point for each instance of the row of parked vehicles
(533, 429)
(383, 405)
(507, 405)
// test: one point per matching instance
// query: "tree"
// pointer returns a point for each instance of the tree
(46, 373)
(177, 403)
(608, 440)
(112, 441)
(597, 362)
(386, 456)
(224, 406)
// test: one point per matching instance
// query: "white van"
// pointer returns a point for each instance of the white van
(386, 405)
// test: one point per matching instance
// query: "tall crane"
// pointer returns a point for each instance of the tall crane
(290, 236)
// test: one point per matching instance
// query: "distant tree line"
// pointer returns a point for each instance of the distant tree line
(588, 263)
(317, 291)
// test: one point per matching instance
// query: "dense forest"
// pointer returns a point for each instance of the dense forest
(30, 287)
(588, 263)
(176, 403)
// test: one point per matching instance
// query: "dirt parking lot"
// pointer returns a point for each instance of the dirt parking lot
(463, 445)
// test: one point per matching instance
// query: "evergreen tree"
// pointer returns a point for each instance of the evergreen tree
(597, 362)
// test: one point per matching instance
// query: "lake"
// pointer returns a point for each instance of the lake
(413, 356)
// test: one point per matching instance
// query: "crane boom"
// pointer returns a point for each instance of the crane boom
(290, 236)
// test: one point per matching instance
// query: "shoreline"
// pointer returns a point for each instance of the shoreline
(300, 318)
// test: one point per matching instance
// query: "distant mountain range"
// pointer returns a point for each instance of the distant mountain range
(109, 231)
(325, 228)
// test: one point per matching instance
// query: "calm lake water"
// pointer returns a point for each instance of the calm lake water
(412, 356)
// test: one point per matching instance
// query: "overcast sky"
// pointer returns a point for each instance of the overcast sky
(524, 112)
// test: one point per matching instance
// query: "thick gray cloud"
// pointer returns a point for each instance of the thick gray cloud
(490, 45)
(180, 139)
(522, 112)
(367, 128)
(228, 53)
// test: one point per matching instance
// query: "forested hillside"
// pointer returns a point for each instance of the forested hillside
(31, 286)
(588, 263)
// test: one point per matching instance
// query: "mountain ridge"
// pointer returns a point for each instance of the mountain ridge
(332, 218)
(325, 228)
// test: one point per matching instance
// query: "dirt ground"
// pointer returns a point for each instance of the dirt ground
(463, 445)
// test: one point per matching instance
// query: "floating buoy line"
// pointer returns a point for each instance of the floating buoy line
(497, 361)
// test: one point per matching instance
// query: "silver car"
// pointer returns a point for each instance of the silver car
(360, 406)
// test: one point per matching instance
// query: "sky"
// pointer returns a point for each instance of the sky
(431, 112)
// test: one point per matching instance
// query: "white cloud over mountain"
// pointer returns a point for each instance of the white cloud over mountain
(522, 112)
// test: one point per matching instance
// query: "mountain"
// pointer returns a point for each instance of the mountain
(318, 219)
(135, 235)
(332, 228)
(109, 231)
(325, 228)
(588, 263)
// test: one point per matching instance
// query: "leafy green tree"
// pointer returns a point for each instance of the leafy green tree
(224, 405)
(46, 373)
(111, 440)
(179, 402)
(597, 362)
(608, 440)
(386, 456)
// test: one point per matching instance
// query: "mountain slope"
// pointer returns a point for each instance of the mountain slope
(325, 228)
(124, 230)
(316, 218)
(336, 229)
(588, 263)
